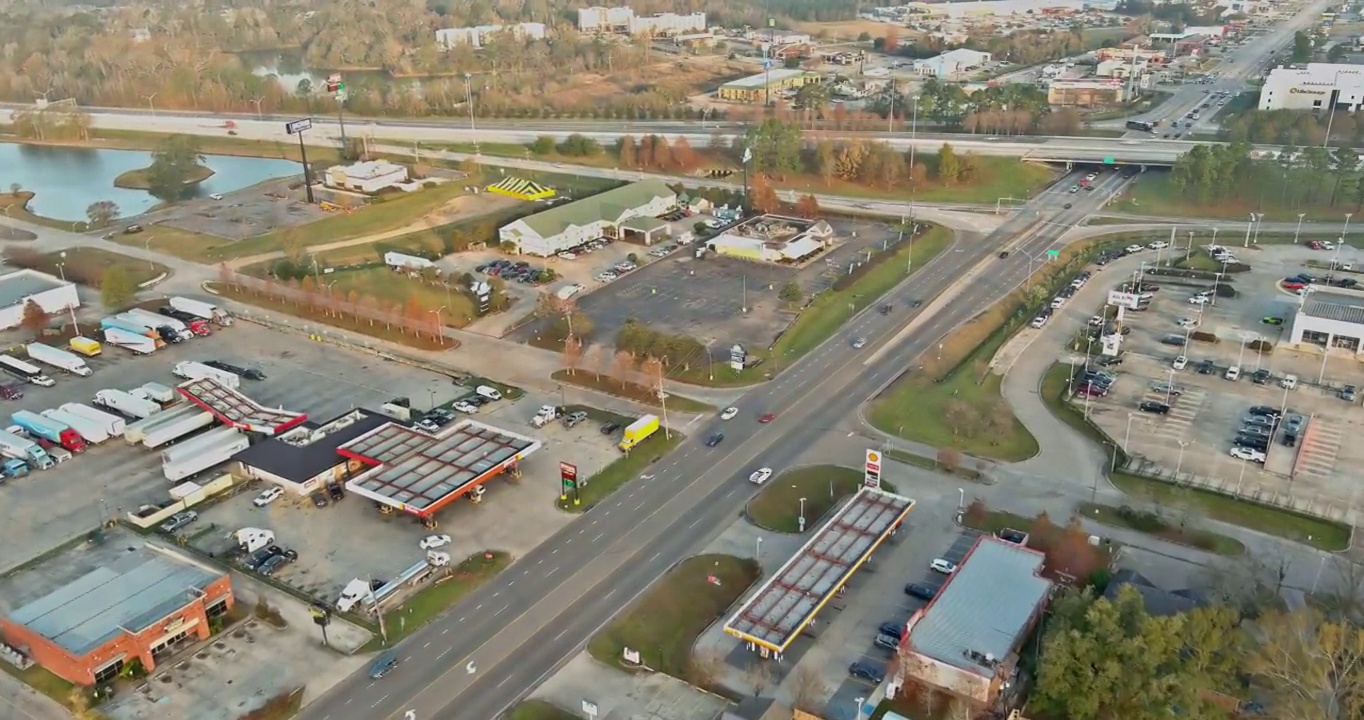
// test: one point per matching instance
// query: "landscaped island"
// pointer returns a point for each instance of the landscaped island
(140, 179)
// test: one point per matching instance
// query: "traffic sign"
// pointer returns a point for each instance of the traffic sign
(294, 127)
(1053, 254)
(1109, 161)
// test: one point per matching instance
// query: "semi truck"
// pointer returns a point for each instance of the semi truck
(28, 372)
(85, 346)
(118, 322)
(207, 311)
(89, 430)
(160, 393)
(58, 358)
(14, 468)
(113, 425)
(156, 321)
(156, 329)
(202, 453)
(637, 431)
(21, 448)
(196, 325)
(135, 341)
(122, 402)
(49, 429)
(191, 370)
(171, 425)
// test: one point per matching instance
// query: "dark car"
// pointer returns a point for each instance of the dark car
(1263, 410)
(609, 428)
(319, 499)
(715, 439)
(258, 558)
(1152, 406)
(887, 642)
(271, 566)
(893, 629)
(1205, 368)
(915, 303)
(248, 373)
(1260, 377)
(383, 665)
(1003, 254)
(1110, 360)
(921, 591)
(1175, 340)
(866, 671)
(336, 491)
(885, 309)
(1253, 442)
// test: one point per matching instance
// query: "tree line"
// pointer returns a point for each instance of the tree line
(780, 149)
(1295, 176)
(1296, 127)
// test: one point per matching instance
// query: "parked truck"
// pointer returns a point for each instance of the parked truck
(90, 431)
(178, 424)
(191, 370)
(21, 448)
(122, 402)
(135, 431)
(637, 431)
(85, 346)
(58, 358)
(207, 311)
(118, 322)
(160, 393)
(48, 429)
(202, 453)
(112, 425)
(155, 328)
(28, 372)
(196, 325)
(13, 468)
(138, 342)
(157, 321)
(250, 540)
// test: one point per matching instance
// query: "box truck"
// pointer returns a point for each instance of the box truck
(58, 358)
(250, 540)
(90, 431)
(21, 448)
(122, 402)
(48, 429)
(137, 342)
(202, 453)
(85, 346)
(637, 431)
(175, 424)
(111, 424)
(207, 311)
(156, 321)
(160, 393)
(27, 372)
(190, 370)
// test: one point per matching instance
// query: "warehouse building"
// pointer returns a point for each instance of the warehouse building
(604, 215)
(624, 20)
(92, 611)
(951, 63)
(1314, 86)
(773, 238)
(1330, 319)
(305, 459)
(53, 295)
(766, 85)
(1086, 93)
(366, 177)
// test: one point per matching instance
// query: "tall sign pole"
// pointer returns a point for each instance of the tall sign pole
(337, 87)
(298, 127)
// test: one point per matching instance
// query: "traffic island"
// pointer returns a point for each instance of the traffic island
(539, 710)
(577, 495)
(810, 492)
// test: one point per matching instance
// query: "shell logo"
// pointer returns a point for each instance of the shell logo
(873, 457)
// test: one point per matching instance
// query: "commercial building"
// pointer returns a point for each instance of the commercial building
(1086, 93)
(951, 63)
(479, 36)
(766, 85)
(1206, 31)
(966, 641)
(1120, 68)
(366, 177)
(623, 20)
(1314, 86)
(91, 612)
(53, 295)
(305, 459)
(1330, 319)
(773, 238)
(602, 215)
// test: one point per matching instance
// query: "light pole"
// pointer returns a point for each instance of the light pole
(758, 550)
(1180, 463)
(1346, 229)
(802, 514)
(1259, 218)
(1298, 230)
(469, 100)
(1250, 225)
(961, 499)
(913, 133)
(440, 327)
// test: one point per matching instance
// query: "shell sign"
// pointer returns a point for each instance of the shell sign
(871, 471)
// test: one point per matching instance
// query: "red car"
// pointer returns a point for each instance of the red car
(766, 418)
(1314, 245)
(1294, 285)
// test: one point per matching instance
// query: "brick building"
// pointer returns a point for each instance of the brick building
(142, 606)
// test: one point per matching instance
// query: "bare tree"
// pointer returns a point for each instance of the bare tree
(624, 367)
(1251, 583)
(1313, 667)
(1343, 600)
(949, 459)
(573, 350)
(705, 668)
(808, 690)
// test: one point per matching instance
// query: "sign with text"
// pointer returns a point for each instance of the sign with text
(568, 473)
(871, 471)
(294, 127)
(1123, 299)
(737, 356)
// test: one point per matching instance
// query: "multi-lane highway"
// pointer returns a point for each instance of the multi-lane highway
(509, 635)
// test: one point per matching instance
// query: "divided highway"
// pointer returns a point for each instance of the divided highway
(511, 634)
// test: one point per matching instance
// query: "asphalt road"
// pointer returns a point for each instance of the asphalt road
(509, 635)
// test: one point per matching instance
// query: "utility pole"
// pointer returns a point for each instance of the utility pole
(337, 87)
(663, 401)
(374, 602)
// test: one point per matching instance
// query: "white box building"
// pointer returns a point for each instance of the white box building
(366, 177)
(477, 36)
(624, 20)
(1331, 319)
(1314, 86)
(53, 295)
(603, 215)
(951, 62)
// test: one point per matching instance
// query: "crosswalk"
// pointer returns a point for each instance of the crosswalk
(1183, 409)
(1319, 448)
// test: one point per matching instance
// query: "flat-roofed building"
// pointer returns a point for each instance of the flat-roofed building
(602, 215)
(1086, 93)
(624, 20)
(304, 459)
(50, 293)
(1331, 318)
(766, 85)
(479, 35)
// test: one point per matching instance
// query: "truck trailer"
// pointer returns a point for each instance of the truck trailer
(191, 370)
(160, 393)
(113, 425)
(156, 321)
(49, 429)
(138, 342)
(136, 430)
(154, 326)
(207, 311)
(178, 424)
(637, 431)
(122, 402)
(28, 372)
(58, 358)
(202, 453)
(118, 322)
(90, 431)
(21, 448)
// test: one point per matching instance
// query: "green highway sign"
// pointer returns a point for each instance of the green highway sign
(1053, 254)
(1108, 161)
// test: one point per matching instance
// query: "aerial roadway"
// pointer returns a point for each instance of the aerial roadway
(505, 638)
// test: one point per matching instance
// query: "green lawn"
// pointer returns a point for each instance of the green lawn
(910, 458)
(86, 265)
(777, 506)
(664, 623)
(426, 605)
(59, 690)
(621, 471)
(140, 179)
(16, 207)
(1192, 537)
(996, 177)
(392, 289)
(629, 391)
(539, 710)
(1153, 193)
(993, 521)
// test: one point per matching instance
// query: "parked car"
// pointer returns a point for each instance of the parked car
(573, 419)
(866, 671)
(431, 542)
(609, 428)
(886, 642)
(940, 565)
(1168, 388)
(1180, 363)
(1245, 453)
(1349, 393)
(1152, 406)
(268, 496)
(921, 591)
(893, 629)
(179, 520)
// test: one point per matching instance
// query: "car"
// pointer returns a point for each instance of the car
(1003, 254)
(574, 419)
(886, 642)
(383, 665)
(729, 413)
(465, 407)
(940, 565)
(179, 520)
(1168, 388)
(1261, 376)
(893, 629)
(1057, 302)
(1254, 431)
(1069, 206)
(766, 418)
(1152, 406)
(1038, 321)
(1262, 410)
(922, 591)
(1180, 363)
(271, 565)
(1349, 393)
(1293, 285)
(270, 495)
(1188, 322)
(215, 196)
(248, 373)
(319, 499)
(431, 542)
(336, 492)
(760, 476)
(859, 343)
(1271, 320)
(1233, 373)
(1200, 300)
(1158, 245)
(885, 309)
(715, 439)
(1097, 321)
(1175, 340)
(1091, 391)
(1294, 423)
(1267, 421)
(609, 428)
(1074, 188)
(132, 230)
(866, 671)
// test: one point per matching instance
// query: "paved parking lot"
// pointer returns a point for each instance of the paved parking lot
(251, 211)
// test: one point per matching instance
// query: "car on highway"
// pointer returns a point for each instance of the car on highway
(766, 418)
(1245, 453)
(760, 476)
(1075, 188)
(383, 665)
(431, 542)
(939, 565)
(270, 495)
(715, 439)
(729, 413)
(859, 343)
(866, 671)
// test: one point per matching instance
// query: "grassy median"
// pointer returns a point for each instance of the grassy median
(539, 710)
(612, 477)
(448, 590)
(777, 507)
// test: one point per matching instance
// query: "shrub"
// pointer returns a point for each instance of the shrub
(1141, 520)
(1261, 346)
(1202, 336)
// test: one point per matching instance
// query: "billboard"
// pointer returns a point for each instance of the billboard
(871, 470)
(568, 474)
(1123, 299)
(737, 356)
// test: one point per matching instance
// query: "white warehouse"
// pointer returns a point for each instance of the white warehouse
(366, 177)
(582, 221)
(51, 294)
(1330, 319)
(1314, 86)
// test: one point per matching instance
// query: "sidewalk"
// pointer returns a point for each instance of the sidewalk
(21, 702)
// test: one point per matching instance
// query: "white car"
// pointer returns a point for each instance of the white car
(1057, 302)
(431, 542)
(940, 565)
(1097, 321)
(760, 476)
(464, 407)
(1039, 321)
(1188, 322)
(1180, 363)
(215, 196)
(1135, 248)
(1158, 245)
(1245, 453)
(267, 497)
(1200, 300)
(859, 343)
(729, 413)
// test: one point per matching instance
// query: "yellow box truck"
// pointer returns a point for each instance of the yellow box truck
(85, 346)
(637, 431)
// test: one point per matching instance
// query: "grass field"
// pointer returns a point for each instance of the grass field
(926, 463)
(1190, 536)
(421, 608)
(778, 506)
(539, 710)
(664, 623)
(1154, 194)
(86, 265)
(394, 289)
(59, 690)
(629, 390)
(139, 179)
(372, 328)
(624, 469)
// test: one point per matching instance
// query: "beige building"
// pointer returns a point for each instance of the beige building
(765, 85)
(1086, 93)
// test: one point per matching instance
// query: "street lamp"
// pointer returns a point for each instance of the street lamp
(802, 514)
(758, 550)
(1259, 218)
(961, 499)
(1298, 230)
(440, 327)
(1180, 463)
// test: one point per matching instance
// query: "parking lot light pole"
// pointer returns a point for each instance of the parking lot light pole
(1298, 230)
(1250, 225)
(1259, 218)
(758, 550)
(1345, 229)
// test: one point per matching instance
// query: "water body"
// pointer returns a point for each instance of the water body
(65, 181)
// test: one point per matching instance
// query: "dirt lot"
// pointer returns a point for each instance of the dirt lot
(674, 76)
(247, 212)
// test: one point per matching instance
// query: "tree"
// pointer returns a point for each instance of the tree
(1313, 667)
(684, 157)
(626, 152)
(948, 166)
(35, 319)
(775, 147)
(949, 459)
(623, 366)
(542, 145)
(175, 164)
(101, 212)
(826, 160)
(573, 352)
(807, 207)
(1103, 660)
(116, 287)
(762, 197)
(891, 42)
(977, 514)
(808, 691)
(790, 292)
(15, 188)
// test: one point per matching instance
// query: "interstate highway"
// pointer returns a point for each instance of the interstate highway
(509, 635)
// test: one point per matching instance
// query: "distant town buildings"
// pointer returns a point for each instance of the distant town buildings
(1086, 93)
(478, 36)
(950, 63)
(624, 21)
